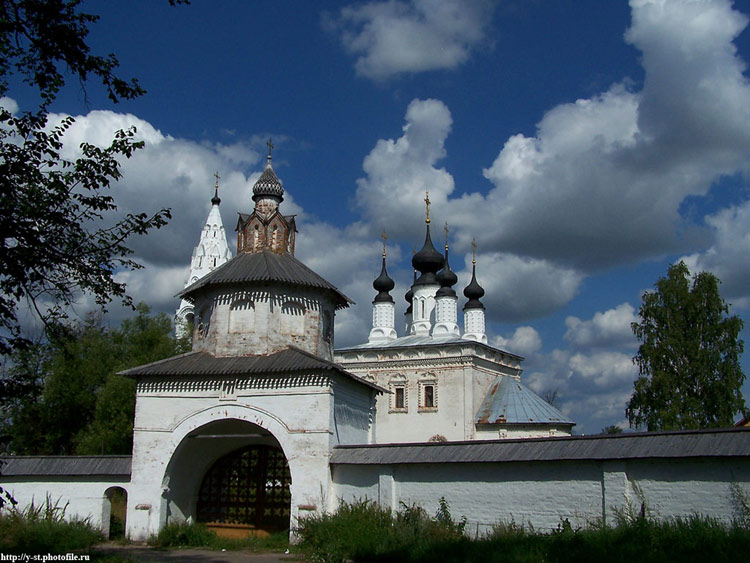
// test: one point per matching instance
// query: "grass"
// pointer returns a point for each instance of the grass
(44, 529)
(365, 531)
(185, 534)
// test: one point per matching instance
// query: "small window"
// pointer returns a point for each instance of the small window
(400, 399)
(429, 396)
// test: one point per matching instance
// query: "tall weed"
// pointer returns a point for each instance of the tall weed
(43, 529)
(365, 531)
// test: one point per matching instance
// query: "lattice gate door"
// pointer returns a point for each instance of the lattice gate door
(248, 487)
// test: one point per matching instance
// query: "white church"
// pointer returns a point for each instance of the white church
(264, 422)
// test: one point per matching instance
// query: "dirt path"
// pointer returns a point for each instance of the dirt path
(146, 553)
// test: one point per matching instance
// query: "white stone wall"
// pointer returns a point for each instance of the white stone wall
(544, 493)
(85, 497)
(184, 426)
(460, 373)
(237, 322)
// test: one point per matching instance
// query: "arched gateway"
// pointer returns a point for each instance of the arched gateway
(238, 433)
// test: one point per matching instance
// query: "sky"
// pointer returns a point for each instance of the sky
(586, 145)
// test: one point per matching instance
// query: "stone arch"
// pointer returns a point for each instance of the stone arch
(114, 512)
(184, 469)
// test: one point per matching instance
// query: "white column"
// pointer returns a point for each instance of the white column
(383, 321)
(423, 307)
(446, 316)
(474, 325)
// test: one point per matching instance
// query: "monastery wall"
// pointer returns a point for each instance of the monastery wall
(80, 496)
(671, 475)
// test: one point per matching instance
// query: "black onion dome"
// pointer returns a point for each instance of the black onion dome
(427, 261)
(447, 279)
(268, 184)
(383, 284)
(473, 292)
(216, 200)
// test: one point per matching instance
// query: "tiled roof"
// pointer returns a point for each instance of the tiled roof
(265, 266)
(510, 402)
(290, 360)
(681, 444)
(17, 466)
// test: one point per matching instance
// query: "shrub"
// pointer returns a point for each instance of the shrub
(44, 529)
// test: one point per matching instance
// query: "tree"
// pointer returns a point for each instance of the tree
(83, 406)
(61, 233)
(688, 360)
(611, 429)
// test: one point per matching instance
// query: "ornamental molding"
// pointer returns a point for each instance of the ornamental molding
(230, 386)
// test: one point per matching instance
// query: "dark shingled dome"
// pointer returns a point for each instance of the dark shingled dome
(447, 279)
(383, 284)
(427, 261)
(473, 292)
(268, 185)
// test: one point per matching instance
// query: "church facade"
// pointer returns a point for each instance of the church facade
(263, 422)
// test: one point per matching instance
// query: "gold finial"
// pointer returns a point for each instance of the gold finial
(474, 251)
(427, 203)
(270, 146)
(445, 228)
(217, 178)
(384, 237)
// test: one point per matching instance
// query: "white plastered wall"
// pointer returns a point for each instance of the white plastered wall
(545, 493)
(81, 497)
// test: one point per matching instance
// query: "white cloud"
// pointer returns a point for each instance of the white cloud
(399, 172)
(9, 104)
(396, 37)
(727, 256)
(521, 288)
(524, 341)
(612, 328)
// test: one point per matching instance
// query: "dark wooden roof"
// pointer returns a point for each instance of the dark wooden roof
(694, 443)
(267, 267)
(92, 465)
(289, 360)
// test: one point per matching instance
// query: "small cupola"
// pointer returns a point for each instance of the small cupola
(383, 307)
(474, 322)
(268, 192)
(446, 277)
(383, 284)
(446, 313)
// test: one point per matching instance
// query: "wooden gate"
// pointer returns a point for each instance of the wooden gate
(246, 492)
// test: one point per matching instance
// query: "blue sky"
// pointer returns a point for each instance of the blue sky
(585, 144)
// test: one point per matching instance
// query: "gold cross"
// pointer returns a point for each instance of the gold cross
(427, 203)
(446, 234)
(269, 144)
(384, 237)
(216, 175)
(473, 251)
